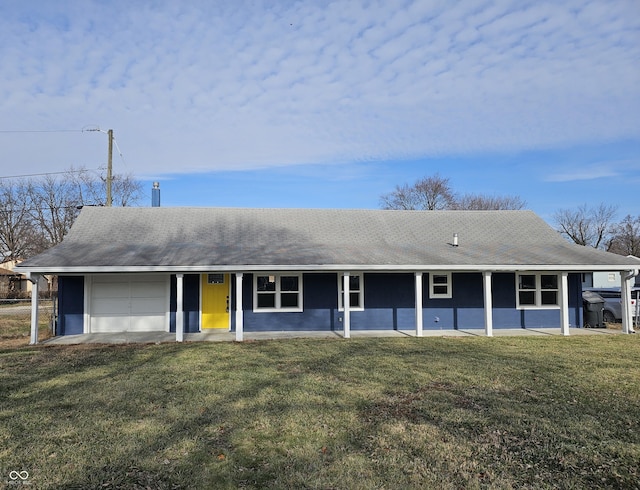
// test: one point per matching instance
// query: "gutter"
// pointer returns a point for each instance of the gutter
(324, 268)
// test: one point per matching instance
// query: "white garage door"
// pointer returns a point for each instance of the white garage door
(129, 303)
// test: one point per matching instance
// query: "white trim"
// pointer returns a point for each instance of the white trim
(538, 290)
(488, 303)
(324, 268)
(419, 316)
(278, 308)
(625, 300)
(35, 298)
(239, 312)
(564, 303)
(347, 305)
(179, 308)
(448, 284)
(360, 275)
(86, 322)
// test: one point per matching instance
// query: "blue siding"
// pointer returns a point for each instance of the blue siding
(575, 300)
(505, 314)
(389, 300)
(320, 305)
(464, 310)
(389, 303)
(70, 305)
(190, 304)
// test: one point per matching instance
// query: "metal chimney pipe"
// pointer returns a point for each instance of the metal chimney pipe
(455, 239)
(155, 195)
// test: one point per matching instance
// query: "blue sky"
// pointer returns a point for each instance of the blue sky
(329, 104)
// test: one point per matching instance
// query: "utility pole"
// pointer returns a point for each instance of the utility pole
(109, 167)
(109, 163)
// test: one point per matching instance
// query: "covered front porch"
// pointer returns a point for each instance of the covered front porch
(417, 299)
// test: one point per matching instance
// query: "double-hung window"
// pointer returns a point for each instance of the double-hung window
(356, 292)
(440, 285)
(537, 290)
(277, 292)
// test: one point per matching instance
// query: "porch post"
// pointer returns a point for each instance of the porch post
(488, 304)
(564, 303)
(419, 320)
(34, 308)
(346, 303)
(239, 314)
(625, 299)
(179, 308)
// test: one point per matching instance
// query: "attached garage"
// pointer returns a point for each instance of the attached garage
(129, 303)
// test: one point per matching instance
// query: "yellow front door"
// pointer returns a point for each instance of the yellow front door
(215, 300)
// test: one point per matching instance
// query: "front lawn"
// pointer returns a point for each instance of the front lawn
(520, 412)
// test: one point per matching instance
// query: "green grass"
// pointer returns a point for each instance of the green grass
(15, 328)
(525, 412)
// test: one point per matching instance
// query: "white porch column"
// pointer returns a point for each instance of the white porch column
(239, 314)
(564, 303)
(179, 308)
(34, 308)
(625, 298)
(419, 319)
(346, 303)
(488, 304)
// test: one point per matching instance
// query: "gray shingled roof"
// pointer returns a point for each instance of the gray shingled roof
(201, 239)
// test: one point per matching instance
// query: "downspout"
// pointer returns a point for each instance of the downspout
(627, 321)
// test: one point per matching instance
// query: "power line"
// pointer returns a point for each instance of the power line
(48, 173)
(42, 130)
(46, 208)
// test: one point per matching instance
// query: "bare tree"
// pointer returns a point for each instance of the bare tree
(54, 206)
(626, 237)
(429, 193)
(37, 213)
(433, 193)
(587, 226)
(18, 237)
(403, 197)
(125, 189)
(479, 202)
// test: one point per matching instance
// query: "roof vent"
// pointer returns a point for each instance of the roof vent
(455, 240)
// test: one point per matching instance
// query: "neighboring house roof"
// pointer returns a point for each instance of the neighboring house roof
(238, 239)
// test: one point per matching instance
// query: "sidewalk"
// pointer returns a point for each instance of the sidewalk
(226, 336)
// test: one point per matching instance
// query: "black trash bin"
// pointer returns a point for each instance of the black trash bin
(592, 306)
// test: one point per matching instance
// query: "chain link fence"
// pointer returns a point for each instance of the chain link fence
(15, 316)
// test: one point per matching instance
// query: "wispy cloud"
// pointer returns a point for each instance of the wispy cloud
(592, 171)
(195, 86)
(589, 172)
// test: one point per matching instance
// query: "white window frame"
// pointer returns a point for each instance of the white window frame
(432, 285)
(537, 290)
(360, 292)
(277, 292)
